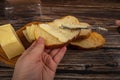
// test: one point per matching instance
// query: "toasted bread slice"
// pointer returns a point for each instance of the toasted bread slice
(94, 41)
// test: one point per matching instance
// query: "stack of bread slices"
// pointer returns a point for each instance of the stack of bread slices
(55, 36)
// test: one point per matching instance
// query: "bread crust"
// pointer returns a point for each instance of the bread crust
(77, 43)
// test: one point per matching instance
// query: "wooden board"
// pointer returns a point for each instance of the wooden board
(101, 64)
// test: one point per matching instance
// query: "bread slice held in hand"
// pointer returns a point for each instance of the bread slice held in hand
(50, 41)
(53, 37)
(94, 41)
(51, 32)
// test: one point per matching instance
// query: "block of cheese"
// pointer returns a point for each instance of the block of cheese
(10, 42)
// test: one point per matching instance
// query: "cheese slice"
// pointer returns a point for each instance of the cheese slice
(54, 32)
(10, 42)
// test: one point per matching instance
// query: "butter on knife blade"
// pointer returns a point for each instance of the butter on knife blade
(94, 27)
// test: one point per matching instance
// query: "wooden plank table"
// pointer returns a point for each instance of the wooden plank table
(100, 64)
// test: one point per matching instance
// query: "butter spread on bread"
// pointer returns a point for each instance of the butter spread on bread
(50, 41)
(54, 32)
(9, 41)
(71, 20)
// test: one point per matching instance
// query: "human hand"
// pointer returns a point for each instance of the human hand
(36, 63)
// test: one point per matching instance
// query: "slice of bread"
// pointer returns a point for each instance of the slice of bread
(53, 36)
(71, 20)
(26, 36)
(50, 41)
(30, 30)
(94, 41)
(52, 33)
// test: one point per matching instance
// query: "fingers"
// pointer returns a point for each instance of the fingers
(47, 50)
(118, 22)
(26, 52)
(48, 61)
(54, 52)
(59, 55)
(38, 48)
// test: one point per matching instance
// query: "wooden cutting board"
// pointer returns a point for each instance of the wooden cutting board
(3, 57)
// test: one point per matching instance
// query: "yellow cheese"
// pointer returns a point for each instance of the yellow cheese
(10, 42)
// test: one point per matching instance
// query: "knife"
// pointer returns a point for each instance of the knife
(93, 27)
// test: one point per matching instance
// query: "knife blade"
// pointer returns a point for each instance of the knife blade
(93, 27)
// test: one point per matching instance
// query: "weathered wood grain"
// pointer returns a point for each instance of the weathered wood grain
(100, 64)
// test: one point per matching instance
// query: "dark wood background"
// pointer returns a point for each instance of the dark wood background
(100, 64)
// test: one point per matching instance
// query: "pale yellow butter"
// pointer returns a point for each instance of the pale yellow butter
(10, 42)
(54, 32)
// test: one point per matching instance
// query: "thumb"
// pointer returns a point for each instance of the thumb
(38, 48)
